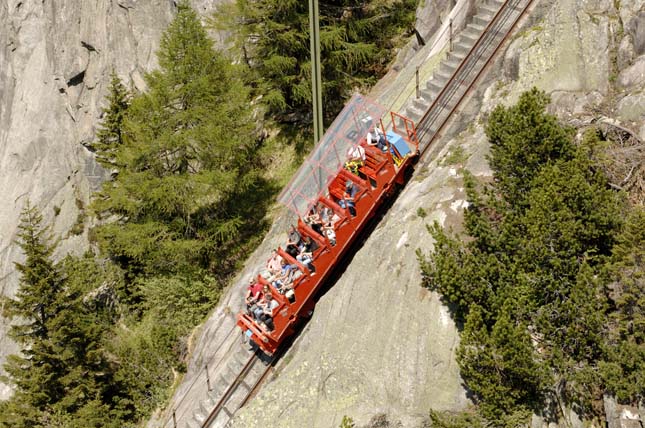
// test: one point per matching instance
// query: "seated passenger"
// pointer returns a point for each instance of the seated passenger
(267, 315)
(306, 256)
(313, 220)
(274, 264)
(355, 158)
(375, 137)
(294, 242)
(258, 308)
(253, 294)
(285, 277)
(330, 234)
(348, 198)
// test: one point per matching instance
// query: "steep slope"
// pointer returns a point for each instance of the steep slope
(56, 58)
(378, 343)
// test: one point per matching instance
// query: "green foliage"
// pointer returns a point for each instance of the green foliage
(347, 422)
(466, 419)
(624, 368)
(62, 366)
(149, 352)
(523, 139)
(189, 192)
(357, 41)
(110, 134)
(538, 240)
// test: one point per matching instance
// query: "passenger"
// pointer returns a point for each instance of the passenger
(355, 158)
(375, 137)
(258, 309)
(266, 318)
(330, 234)
(294, 242)
(285, 277)
(274, 264)
(348, 198)
(306, 256)
(313, 220)
(254, 292)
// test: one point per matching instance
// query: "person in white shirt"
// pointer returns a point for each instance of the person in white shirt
(355, 158)
(375, 137)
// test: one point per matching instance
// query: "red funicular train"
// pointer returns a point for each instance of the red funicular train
(320, 188)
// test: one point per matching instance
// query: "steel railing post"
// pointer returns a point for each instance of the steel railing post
(417, 83)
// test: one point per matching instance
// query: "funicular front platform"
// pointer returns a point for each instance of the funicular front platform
(319, 190)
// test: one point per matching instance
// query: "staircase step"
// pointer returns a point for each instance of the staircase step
(443, 74)
(429, 95)
(434, 86)
(193, 424)
(413, 114)
(481, 20)
(199, 417)
(488, 9)
(205, 406)
(420, 104)
(477, 28)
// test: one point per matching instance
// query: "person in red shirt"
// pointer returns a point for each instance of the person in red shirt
(253, 293)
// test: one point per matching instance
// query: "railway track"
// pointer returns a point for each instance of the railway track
(242, 388)
(475, 49)
(463, 67)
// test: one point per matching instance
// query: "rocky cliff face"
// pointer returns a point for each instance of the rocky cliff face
(380, 344)
(55, 62)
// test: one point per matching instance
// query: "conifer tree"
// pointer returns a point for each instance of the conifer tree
(624, 368)
(110, 133)
(537, 240)
(190, 150)
(523, 138)
(357, 41)
(62, 366)
(36, 371)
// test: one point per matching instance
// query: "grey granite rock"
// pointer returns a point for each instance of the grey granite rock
(55, 62)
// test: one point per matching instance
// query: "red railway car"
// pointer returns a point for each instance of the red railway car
(320, 183)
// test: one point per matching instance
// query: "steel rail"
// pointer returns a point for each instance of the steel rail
(170, 419)
(438, 106)
(453, 84)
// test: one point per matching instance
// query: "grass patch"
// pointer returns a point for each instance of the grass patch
(457, 156)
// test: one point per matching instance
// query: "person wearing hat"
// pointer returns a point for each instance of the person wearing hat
(348, 198)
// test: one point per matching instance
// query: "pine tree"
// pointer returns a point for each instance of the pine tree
(110, 133)
(624, 368)
(62, 366)
(357, 41)
(524, 138)
(538, 238)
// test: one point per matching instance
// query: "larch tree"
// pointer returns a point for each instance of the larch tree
(185, 196)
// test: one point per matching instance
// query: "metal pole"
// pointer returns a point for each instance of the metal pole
(316, 79)
(417, 84)
(450, 34)
(174, 419)
(208, 379)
